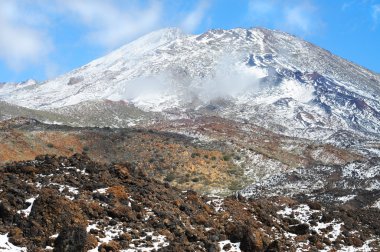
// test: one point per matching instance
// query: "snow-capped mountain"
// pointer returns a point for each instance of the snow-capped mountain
(256, 75)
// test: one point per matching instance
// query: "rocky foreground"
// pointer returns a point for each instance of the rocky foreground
(74, 204)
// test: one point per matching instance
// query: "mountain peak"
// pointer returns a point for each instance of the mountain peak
(254, 68)
(157, 38)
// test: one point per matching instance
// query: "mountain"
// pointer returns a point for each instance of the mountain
(260, 76)
(290, 131)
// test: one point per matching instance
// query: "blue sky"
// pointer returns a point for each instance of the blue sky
(41, 39)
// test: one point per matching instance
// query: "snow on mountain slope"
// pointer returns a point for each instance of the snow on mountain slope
(7, 88)
(267, 77)
(355, 183)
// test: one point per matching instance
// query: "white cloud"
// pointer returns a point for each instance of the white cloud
(21, 43)
(376, 15)
(195, 18)
(112, 24)
(33, 32)
(298, 16)
(261, 8)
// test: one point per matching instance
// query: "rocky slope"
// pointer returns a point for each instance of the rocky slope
(73, 204)
(8, 111)
(205, 162)
(356, 184)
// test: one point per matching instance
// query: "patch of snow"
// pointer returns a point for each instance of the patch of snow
(217, 203)
(376, 204)
(374, 151)
(303, 214)
(357, 171)
(101, 190)
(91, 226)
(346, 198)
(158, 242)
(110, 232)
(5, 245)
(235, 247)
(54, 236)
(71, 189)
(26, 212)
(52, 122)
(286, 211)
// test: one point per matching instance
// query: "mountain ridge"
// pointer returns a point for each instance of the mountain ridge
(168, 36)
(249, 75)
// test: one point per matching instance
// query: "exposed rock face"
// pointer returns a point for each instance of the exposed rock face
(74, 204)
(51, 212)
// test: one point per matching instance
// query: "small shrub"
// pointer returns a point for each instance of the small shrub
(226, 158)
(232, 171)
(195, 180)
(86, 148)
(235, 186)
(50, 145)
(169, 177)
(183, 180)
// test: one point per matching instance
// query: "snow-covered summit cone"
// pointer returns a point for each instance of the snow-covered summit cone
(166, 56)
(264, 76)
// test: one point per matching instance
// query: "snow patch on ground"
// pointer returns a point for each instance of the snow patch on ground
(158, 242)
(26, 212)
(217, 203)
(303, 214)
(353, 170)
(376, 204)
(101, 190)
(235, 247)
(346, 198)
(5, 245)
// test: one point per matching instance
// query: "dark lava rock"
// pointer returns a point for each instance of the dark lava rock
(274, 246)
(300, 229)
(71, 239)
(252, 240)
(227, 246)
(134, 206)
(50, 214)
(314, 205)
(6, 213)
(53, 212)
